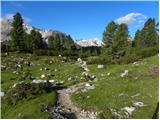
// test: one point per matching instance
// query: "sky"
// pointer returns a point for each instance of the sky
(82, 20)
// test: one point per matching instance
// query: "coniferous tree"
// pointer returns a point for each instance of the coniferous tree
(109, 33)
(17, 33)
(51, 42)
(37, 40)
(120, 41)
(149, 35)
(28, 43)
(137, 39)
(57, 42)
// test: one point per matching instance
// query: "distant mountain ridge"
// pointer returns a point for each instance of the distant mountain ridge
(6, 28)
(89, 42)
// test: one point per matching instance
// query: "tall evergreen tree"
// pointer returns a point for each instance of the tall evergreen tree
(57, 42)
(149, 33)
(137, 39)
(28, 43)
(51, 42)
(120, 41)
(37, 40)
(17, 33)
(109, 33)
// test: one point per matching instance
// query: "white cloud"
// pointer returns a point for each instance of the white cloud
(10, 17)
(131, 18)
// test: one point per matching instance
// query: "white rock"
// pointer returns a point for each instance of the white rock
(124, 74)
(85, 74)
(59, 55)
(14, 85)
(51, 81)
(43, 76)
(138, 104)
(129, 109)
(79, 60)
(135, 63)
(108, 74)
(39, 81)
(93, 77)
(100, 66)
(102, 75)
(61, 82)
(17, 84)
(87, 85)
(1, 94)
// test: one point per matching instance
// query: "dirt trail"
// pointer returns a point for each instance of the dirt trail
(65, 101)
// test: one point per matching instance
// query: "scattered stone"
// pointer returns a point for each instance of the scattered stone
(88, 115)
(100, 66)
(102, 75)
(129, 110)
(136, 64)
(17, 84)
(59, 83)
(80, 60)
(124, 74)
(88, 96)
(71, 78)
(85, 74)
(51, 81)
(1, 94)
(108, 74)
(3, 67)
(43, 76)
(38, 81)
(88, 87)
(46, 68)
(93, 77)
(138, 104)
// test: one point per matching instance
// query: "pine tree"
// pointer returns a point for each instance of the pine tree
(149, 33)
(109, 33)
(28, 43)
(120, 41)
(57, 42)
(137, 39)
(17, 33)
(37, 40)
(51, 42)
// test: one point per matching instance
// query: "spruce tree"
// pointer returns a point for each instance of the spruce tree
(120, 41)
(51, 42)
(149, 33)
(37, 40)
(17, 33)
(109, 33)
(57, 42)
(137, 39)
(28, 43)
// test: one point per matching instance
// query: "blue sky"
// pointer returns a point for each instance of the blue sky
(82, 19)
